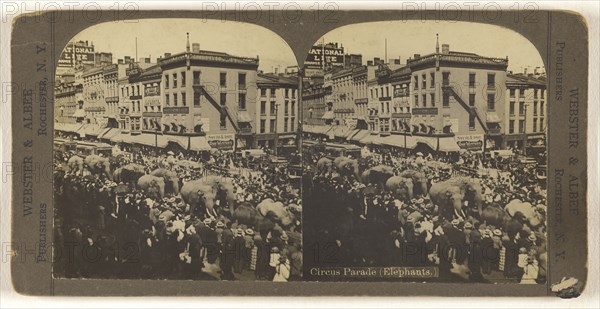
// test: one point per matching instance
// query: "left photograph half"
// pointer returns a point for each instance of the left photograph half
(176, 153)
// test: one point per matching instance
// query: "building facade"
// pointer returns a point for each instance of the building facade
(525, 113)
(276, 116)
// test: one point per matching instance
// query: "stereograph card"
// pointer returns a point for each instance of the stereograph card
(325, 152)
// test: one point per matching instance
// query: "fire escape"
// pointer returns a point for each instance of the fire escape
(472, 110)
(223, 109)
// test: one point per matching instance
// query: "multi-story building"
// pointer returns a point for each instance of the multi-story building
(151, 99)
(112, 73)
(209, 93)
(93, 95)
(525, 113)
(277, 111)
(342, 96)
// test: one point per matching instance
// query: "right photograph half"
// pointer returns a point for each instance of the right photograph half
(424, 149)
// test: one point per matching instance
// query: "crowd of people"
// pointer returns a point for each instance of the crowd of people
(116, 230)
(369, 226)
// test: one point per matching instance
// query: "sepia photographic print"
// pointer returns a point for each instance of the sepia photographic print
(176, 153)
(425, 154)
(362, 152)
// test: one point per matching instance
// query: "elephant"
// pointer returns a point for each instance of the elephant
(495, 216)
(129, 173)
(246, 214)
(346, 166)
(324, 166)
(98, 165)
(282, 215)
(171, 180)
(377, 175)
(206, 191)
(75, 164)
(419, 180)
(152, 185)
(400, 187)
(517, 208)
(449, 195)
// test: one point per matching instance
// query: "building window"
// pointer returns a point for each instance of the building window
(432, 95)
(292, 121)
(196, 99)
(511, 127)
(263, 92)
(273, 93)
(535, 93)
(445, 78)
(372, 97)
(263, 108)
(286, 108)
(471, 99)
(183, 99)
(223, 99)
(285, 124)
(471, 122)
(174, 99)
(182, 79)
(293, 108)
(166, 81)
(534, 129)
(542, 109)
(167, 103)
(416, 82)
(287, 93)
(242, 101)
(542, 124)
(137, 89)
(542, 93)
(223, 79)
(416, 100)
(432, 80)
(263, 124)
(196, 78)
(294, 94)
(174, 80)
(535, 108)
(521, 126)
(242, 80)
(273, 109)
(424, 100)
(512, 93)
(491, 82)
(223, 121)
(471, 80)
(491, 102)
(446, 99)
(272, 126)
(511, 110)
(424, 81)
(522, 109)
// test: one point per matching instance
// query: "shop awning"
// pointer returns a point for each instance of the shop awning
(243, 116)
(340, 131)
(359, 135)
(492, 118)
(400, 141)
(448, 144)
(427, 140)
(199, 143)
(67, 127)
(372, 139)
(352, 133)
(328, 115)
(80, 113)
(109, 133)
(321, 129)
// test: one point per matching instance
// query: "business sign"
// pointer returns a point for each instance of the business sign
(221, 141)
(425, 111)
(151, 91)
(176, 110)
(328, 55)
(75, 53)
(473, 142)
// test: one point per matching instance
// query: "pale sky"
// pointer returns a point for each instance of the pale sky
(415, 37)
(157, 36)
